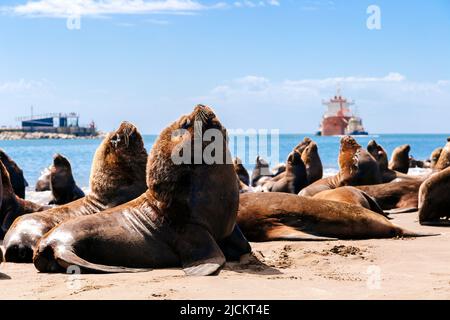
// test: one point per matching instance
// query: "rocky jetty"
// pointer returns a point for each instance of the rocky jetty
(20, 135)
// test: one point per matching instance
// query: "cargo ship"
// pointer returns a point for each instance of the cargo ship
(339, 119)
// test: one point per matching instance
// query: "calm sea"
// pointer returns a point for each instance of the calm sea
(35, 155)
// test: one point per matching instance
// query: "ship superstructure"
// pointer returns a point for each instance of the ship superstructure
(339, 119)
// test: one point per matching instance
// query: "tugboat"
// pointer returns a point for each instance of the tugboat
(339, 119)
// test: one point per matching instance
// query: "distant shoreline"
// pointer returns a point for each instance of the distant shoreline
(20, 135)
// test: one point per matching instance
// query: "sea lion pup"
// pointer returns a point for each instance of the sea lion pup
(190, 206)
(444, 158)
(281, 216)
(313, 163)
(241, 171)
(117, 176)
(11, 205)
(261, 173)
(398, 196)
(351, 195)
(434, 200)
(356, 167)
(293, 179)
(380, 155)
(434, 157)
(63, 186)
(43, 183)
(18, 181)
(400, 159)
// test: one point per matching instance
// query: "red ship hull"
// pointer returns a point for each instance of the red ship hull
(334, 126)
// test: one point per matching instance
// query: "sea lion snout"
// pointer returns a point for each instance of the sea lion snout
(126, 133)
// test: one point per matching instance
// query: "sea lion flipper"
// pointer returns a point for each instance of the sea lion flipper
(235, 245)
(374, 206)
(199, 253)
(49, 261)
(286, 233)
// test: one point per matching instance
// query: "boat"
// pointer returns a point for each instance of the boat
(339, 119)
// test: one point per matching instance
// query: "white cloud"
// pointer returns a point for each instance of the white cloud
(254, 4)
(22, 85)
(98, 8)
(66, 8)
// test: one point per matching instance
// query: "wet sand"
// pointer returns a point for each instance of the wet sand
(369, 269)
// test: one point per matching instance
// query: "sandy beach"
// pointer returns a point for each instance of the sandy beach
(370, 269)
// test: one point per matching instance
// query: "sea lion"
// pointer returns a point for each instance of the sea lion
(434, 157)
(280, 216)
(18, 181)
(241, 171)
(261, 173)
(356, 167)
(400, 159)
(444, 157)
(351, 195)
(43, 183)
(380, 155)
(434, 199)
(397, 196)
(313, 163)
(179, 221)
(11, 205)
(293, 179)
(63, 186)
(117, 176)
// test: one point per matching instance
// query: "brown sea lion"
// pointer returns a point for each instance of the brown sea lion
(117, 176)
(63, 186)
(351, 195)
(444, 158)
(293, 179)
(241, 171)
(261, 173)
(356, 167)
(434, 157)
(280, 216)
(380, 155)
(187, 210)
(313, 163)
(12, 206)
(400, 159)
(18, 181)
(43, 183)
(396, 196)
(434, 199)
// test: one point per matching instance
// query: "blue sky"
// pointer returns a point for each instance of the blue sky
(261, 64)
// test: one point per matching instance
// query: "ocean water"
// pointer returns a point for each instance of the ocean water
(35, 155)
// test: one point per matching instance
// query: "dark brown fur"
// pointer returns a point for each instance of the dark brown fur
(17, 178)
(62, 184)
(400, 159)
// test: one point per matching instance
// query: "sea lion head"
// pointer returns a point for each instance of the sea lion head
(349, 157)
(118, 169)
(444, 157)
(435, 157)
(294, 159)
(189, 187)
(241, 171)
(379, 154)
(61, 173)
(302, 145)
(15, 174)
(311, 153)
